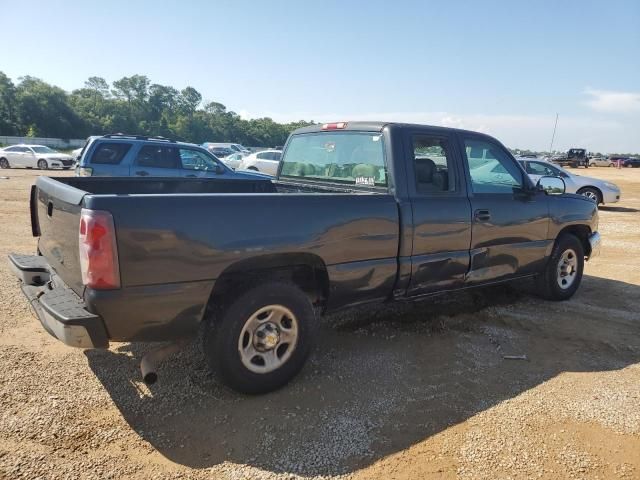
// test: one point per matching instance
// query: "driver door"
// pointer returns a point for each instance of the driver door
(509, 219)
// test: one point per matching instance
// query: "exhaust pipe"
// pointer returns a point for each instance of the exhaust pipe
(151, 360)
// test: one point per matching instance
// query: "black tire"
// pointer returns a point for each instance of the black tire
(42, 164)
(4, 163)
(222, 334)
(591, 193)
(548, 282)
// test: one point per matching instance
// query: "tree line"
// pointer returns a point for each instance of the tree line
(131, 105)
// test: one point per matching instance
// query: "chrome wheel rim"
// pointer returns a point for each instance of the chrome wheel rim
(268, 339)
(591, 195)
(567, 269)
(42, 165)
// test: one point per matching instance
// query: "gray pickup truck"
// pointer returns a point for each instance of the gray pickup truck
(359, 213)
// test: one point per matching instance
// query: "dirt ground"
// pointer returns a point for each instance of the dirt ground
(411, 391)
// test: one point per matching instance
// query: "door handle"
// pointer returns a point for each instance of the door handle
(482, 215)
(142, 173)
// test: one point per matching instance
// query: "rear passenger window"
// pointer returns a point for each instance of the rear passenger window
(156, 156)
(110, 153)
(433, 164)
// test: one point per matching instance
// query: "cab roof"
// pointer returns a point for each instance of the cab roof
(376, 126)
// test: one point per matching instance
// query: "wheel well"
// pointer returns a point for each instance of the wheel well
(307, 271)
(252, 168)
(582, 232)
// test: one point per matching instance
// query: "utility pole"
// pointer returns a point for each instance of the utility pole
(553, 136)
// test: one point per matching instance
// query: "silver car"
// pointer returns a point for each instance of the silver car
(599, 191)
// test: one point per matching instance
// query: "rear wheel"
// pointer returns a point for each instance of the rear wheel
(4, 163)
(563, 273)
(261, 340)
(591, 193)
(43, 165)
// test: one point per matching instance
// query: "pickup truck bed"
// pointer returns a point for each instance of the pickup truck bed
(173, 261)
(360, 212)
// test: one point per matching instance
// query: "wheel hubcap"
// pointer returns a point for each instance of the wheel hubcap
(567, 269)
(268, 339)
(591, 195)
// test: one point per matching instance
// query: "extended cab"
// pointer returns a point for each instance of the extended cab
(360, 212)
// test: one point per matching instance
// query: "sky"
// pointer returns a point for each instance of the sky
(501, 67)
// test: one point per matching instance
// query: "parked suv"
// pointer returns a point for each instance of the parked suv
(120, 155)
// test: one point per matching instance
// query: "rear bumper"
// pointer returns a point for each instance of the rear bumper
(60, 310)
(595, 242)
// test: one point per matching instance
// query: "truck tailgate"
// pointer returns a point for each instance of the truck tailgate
(55, 215)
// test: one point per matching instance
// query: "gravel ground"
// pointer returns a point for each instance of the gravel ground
(404, 391)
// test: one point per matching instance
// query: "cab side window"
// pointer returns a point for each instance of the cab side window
(490, 167)
(433, 165)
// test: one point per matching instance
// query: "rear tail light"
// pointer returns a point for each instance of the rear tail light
(98, 250)
(334, 126)
(84, 171)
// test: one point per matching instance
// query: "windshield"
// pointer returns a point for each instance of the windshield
(355, 158)
(43, 150)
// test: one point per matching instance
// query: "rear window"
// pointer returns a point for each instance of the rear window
(355, 158)
(110, 153)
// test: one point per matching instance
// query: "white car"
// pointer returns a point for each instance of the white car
(600, 191)
(601, 162)
(236, 147)
(76, 153)
(233, 160)
(34, 156)
(266, 161)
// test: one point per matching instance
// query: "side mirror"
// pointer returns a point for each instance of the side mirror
(551, 185)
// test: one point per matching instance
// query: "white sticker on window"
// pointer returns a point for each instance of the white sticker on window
(375, 138)
(369, 181)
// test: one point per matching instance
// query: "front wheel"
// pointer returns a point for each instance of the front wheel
(4, 163)
(43, 165)
(591, 194)
(563, 272)
(261, 340)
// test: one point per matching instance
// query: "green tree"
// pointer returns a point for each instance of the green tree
(7, 105)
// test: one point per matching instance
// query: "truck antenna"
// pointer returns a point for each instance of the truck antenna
(553, 136)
